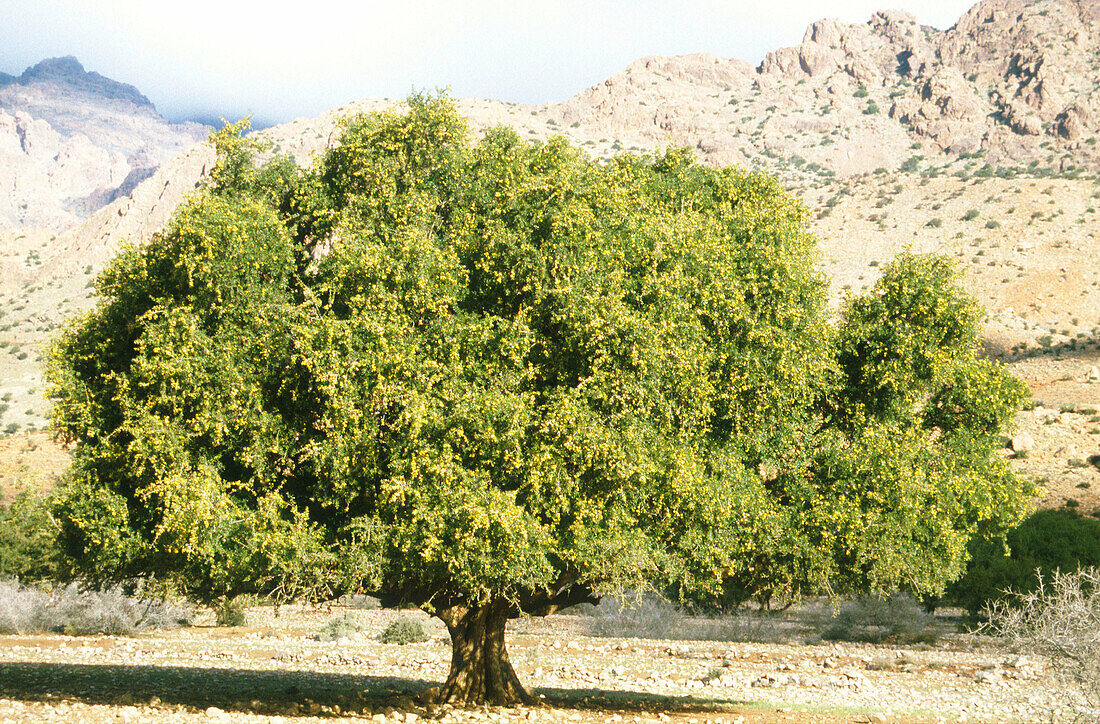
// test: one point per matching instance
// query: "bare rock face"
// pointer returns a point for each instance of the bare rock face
(1012, 78)
(72, 141)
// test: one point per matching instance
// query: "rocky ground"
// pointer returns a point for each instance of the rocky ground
(276, 670)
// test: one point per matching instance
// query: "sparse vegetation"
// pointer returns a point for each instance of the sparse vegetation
(1058, 618)
(652, 616)
(232, 612)
(896, 619)
(76, 611)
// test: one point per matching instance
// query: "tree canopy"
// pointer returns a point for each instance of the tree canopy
(501, 378)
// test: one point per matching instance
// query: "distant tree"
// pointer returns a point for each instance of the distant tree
(502, 379)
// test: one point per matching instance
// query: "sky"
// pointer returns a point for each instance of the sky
(282, 60)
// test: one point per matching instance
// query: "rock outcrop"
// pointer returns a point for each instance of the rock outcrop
(1013, 79)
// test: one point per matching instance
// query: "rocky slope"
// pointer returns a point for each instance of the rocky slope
(1013, 80)
(72, 141)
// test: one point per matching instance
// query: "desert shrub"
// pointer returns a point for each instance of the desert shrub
(403, 631)
(1059, 619)
(896, 619)
(971, 215)
(651, 616)
(231, 612)
(75, 611)
(935, 223)
(911, 164)
(344, 625)
(1046, 542)
(28, 546)
(648, 616)
(360, 602)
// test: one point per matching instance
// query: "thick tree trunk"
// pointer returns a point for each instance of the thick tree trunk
(480, 670)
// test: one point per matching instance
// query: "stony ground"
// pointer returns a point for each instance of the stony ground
(276, 670)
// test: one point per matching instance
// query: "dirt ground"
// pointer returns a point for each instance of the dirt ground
(275, 670)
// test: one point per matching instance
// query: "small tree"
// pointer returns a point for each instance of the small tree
(501, 379)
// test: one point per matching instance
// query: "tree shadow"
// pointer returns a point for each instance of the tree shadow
(635, 702)
(199, 687)
(236, 689)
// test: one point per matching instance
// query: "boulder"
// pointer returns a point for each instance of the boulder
(1022, 441)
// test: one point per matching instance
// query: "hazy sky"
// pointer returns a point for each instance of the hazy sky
(281, 60)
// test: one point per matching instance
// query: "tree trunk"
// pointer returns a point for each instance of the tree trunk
(480, 670)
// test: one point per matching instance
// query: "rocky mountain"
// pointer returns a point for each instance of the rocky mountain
(72, 141)
(1014, 83)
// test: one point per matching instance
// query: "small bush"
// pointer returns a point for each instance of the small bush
(343, 626)
(970, 215)
(934, 223)
(1059, 619)
(894, 619)
(82, 612)
(403, 631)
(231, 613)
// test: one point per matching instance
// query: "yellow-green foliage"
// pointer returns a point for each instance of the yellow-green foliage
(441, 371)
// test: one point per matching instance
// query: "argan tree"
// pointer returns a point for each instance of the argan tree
(498, 379)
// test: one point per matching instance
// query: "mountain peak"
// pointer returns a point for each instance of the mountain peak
(68, 71)
(65, 67)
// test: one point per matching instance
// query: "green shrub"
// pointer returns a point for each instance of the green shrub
(935, 223)
(28, 545)
(911, 164)
(1047, 541)
(403, 631)
(971, 215)
(343, 626)
(232, 612)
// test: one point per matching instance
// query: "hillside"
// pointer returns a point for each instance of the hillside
(978, 142)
